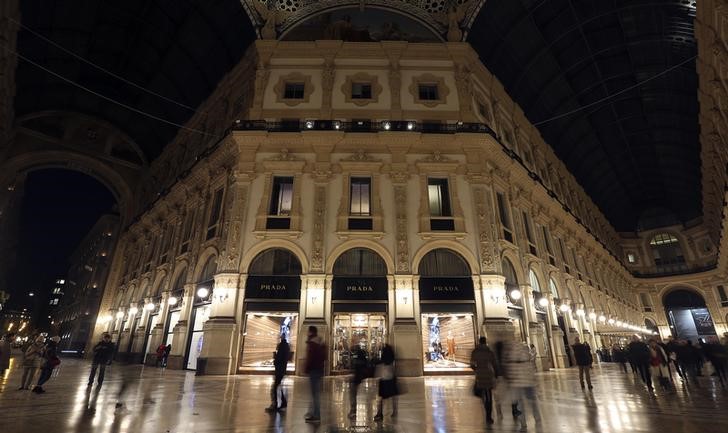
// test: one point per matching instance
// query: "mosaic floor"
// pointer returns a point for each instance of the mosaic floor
(162, 401)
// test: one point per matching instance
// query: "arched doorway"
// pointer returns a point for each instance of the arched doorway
(447, 305)
(515, 299)
(272, 299)
(359, 304)
(175, 303)
(688, 315)
(201, 308)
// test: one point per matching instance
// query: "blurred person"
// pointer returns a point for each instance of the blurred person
(103, 351)
(49, 362)
(388, 387)
(717, 355)
(483, 362)
(688, 357)
(280, 365)
(584, 360)
(672, 348)
(659, 364)
(360, 367)
(6, 350)
(640, 354)
(161, 349)
(315, 359)
(619, 356)
(167, 351)
(32, 359)
(521, 377)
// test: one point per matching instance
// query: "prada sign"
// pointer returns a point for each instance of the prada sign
(443, 289)
(273, 287)
(360, 288)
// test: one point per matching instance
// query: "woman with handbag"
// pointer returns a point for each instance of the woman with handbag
(658, 364)
(387, 382)
(51, 361)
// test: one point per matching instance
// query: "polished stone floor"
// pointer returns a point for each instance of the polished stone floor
(162, 401)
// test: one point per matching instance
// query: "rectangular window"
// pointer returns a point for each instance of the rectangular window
(547, 240)
(723, 296)
(428, 92)
(645, 299)
(504, 217)
(439, 196)
(294, 91)
(281, 198)
(166, 240)
(360, 196)
(187, 231)
(361, 91)
(529, 234)
(631, 258)
(215, 212)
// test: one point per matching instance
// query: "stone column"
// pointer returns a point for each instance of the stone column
(497, 324)
(315, 301)
(157, 333)
(221, 328)
(406, 338)
(557, 335)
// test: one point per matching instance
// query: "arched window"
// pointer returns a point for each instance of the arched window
(208, 271)
(533, 279)
(554, 289)
(443, 263)
(360, 262)
(275, 261)
(667, 251)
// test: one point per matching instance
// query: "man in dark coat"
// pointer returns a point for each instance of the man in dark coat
(360, 365)
(280, 365)
(315, 360)
(103, 351)
(640, 354)
(584, 359)
(483, 361)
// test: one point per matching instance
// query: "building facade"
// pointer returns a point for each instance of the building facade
(391, 192)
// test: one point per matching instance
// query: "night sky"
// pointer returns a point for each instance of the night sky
(58, 209)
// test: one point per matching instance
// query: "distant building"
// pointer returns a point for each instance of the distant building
(75, 302)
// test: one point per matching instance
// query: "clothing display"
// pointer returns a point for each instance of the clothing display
(447, 340)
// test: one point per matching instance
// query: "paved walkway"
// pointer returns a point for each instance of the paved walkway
(159, 401)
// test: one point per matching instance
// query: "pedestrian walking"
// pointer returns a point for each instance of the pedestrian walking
(689, 358)
(167, 351)
(161, 349)
(672, 348)
(315, 359)
(6, 349)
(619, 356)
(718, 357)
(521, 377)
(483, 362)
(659, 364)
(584, 360)
(388, 387)
(640, 354)
(49, 362)
(32, 358)
(103, 351)
(280, 364)
(360, 365)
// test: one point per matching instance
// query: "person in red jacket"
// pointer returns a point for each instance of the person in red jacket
(315, 359)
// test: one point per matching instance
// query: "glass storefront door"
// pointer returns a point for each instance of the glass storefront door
(201, 314)
(366, 330)
(447, 341)
(263, 332)
(172, 320)
(153, 321)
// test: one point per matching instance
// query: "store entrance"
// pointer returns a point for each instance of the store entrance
(363, 330)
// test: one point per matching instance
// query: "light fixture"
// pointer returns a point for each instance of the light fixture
(337, 124)
(602, 318)
(610, 321)
(172, 300)
(410, 126)
(120, 314)
(515, 294)
(543, 301)
(386, 125)
(133, 311)
(309, 124)
(593, 315)
(202, 292)
(580, 312)
(150, 306)
(31, 294)
(620, 323)
(564, 308)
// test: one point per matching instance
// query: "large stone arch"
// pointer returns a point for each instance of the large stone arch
(669, 288)
(359, 243)
(284, 244)
(459, 248)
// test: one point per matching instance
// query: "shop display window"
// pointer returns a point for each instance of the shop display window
(202, 313)
(263, 332)
(153, 321)
(447, 341)
(171, 323)
(367, 331)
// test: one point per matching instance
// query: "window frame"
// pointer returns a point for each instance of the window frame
(445, 206)
(360, 181)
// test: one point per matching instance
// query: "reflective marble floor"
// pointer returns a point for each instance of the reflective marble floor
(162, 401)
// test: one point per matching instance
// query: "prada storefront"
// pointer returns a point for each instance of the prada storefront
(272, 296)
(359, 306)
(447, 305)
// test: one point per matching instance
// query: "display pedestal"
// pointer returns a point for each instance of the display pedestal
(301, 347)
(499, 329)
(217, 342)
(407, 345)
(557, 339)
(540, 341)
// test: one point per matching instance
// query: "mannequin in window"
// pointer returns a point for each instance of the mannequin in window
(450, 346)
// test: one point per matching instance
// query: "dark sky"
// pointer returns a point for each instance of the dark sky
(59, 207)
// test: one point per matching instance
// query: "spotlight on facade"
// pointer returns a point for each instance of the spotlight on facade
(337, 124)
(580, 312)
(543, 301)
(620, 323)
(120, 314)
(593, 316)
(386, 125)
(610, 321)
(564, 308)
(410, 126)
(202, 292)
(133, 311)
(515, 294)
(150, 306)
(172, 300)
(309, 124)
(602, 318)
